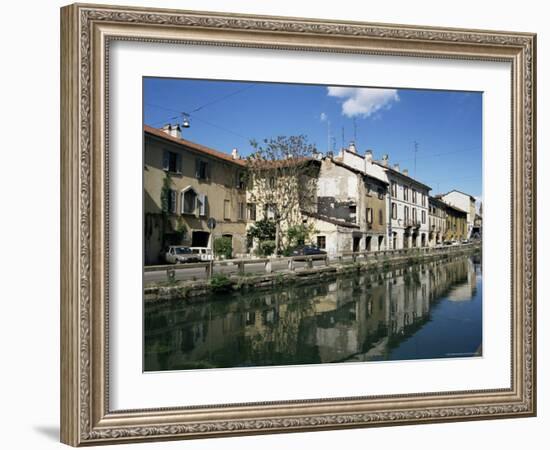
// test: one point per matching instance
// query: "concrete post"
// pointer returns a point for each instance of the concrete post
(291, 264)
(268, 266)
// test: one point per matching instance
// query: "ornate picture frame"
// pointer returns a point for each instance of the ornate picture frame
(86, 34)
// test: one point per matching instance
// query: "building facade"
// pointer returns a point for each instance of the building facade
(456, 224)
(466, 203)
(185, 184)
(351, 209)
(437, 221)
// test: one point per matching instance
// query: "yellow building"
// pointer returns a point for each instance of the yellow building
(437, 221)
(456, 224)
(185, 184)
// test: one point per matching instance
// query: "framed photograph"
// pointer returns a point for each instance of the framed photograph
(279, 224)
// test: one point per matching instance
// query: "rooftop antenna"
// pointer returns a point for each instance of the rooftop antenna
(328, 135)
(415, 152)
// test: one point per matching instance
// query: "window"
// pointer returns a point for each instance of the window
(227, 209)
(202, 204)
(171, 162)
(394, 211)
(423, 216)
(406, 213)
(272, 182)
(406, 193)
(423, 199)
(381, 194)
(380, 217)
(240, 180)
(269, 211)
(414, 216)
(369, 215)
(414, 196)
(322, 242)
(189, 201)
(394, 189)
(202, 171)
(252, 211)
(241, 211)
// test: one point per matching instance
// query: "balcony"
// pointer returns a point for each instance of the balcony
(410, 223)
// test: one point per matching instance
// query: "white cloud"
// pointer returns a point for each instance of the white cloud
(323, 117)
(363, 101)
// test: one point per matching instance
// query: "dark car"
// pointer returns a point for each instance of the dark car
(307, 250)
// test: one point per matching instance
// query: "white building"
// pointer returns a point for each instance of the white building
(351, 209)
(407, 207)
(465, 202)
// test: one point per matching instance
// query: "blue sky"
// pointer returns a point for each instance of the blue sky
(447, 125)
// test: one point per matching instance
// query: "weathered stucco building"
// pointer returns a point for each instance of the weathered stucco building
(185, 184)
(437, 221)
(351, 209)
(466, 203)
(456, 224)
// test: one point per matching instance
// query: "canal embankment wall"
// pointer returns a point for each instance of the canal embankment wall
(381, 263)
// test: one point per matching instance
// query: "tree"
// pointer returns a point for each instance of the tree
(282, 176)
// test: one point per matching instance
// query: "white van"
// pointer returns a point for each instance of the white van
(204, 253)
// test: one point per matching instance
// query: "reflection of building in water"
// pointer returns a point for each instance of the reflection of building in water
(465, 292)
(354, 318)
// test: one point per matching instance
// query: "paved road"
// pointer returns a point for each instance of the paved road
(199, 273)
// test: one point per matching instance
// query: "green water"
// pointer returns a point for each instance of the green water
(425, 311)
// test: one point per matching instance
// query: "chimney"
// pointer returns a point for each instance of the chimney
(235, 154)
(352, 148)
(172, 130)
(385, 160)
(396, 167)
(406, 172)
(368, 156)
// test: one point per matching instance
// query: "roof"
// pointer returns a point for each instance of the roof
(460, 192)
(455, 208)
(330, 220)
(437, 200)
(193, 146)
(360, 172)
(395, 172)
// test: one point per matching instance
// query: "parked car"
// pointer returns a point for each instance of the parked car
(177, 254)
(306, 250)
(204, 253)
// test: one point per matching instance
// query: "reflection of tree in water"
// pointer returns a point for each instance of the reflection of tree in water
(360, 317)
(276, 340)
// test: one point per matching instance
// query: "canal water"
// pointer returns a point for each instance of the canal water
(424, 311)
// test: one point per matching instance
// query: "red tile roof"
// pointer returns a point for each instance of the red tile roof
(193, 146)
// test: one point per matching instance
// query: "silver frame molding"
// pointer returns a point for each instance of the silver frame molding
(86, 32)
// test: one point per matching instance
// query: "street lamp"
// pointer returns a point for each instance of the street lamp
(185, 123)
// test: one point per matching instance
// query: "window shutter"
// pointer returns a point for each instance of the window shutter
(207, 171)
(202, 204)
(178, 163)
(165, 160)
(197, 168)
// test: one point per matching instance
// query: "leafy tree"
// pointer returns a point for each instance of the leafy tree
(223, 247)
(299, 234)
(282, 179)
(263, 230)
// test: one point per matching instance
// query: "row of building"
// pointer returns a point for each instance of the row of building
(357, 203)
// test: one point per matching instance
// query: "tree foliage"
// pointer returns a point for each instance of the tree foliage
(282, 179)
(263, 230)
